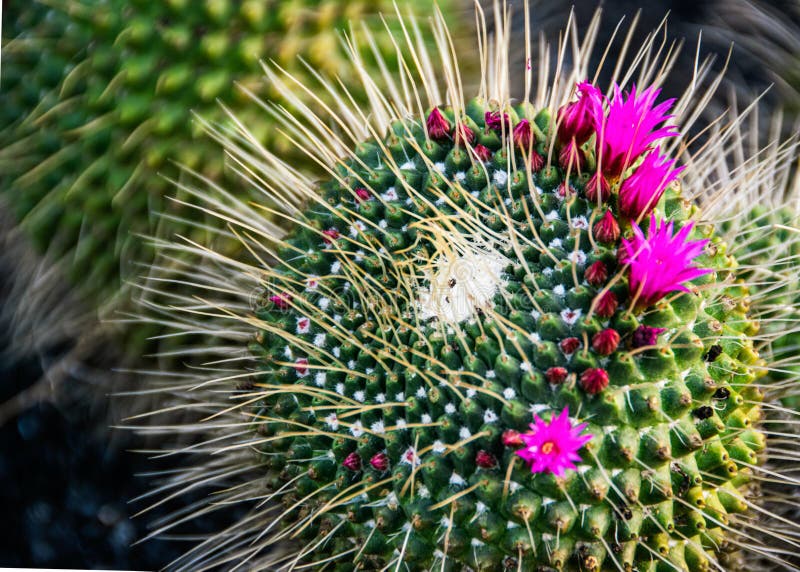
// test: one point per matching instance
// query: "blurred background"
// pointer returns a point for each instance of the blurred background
(73, 122)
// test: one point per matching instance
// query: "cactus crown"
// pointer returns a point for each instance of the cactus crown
(498, 335)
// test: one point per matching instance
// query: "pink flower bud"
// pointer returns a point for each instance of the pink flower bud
(362, 195)
(379, 462)
(596, 274)
(556, 375)
(607, 304)
(282, 300)
(569, 345)
(605, 342)
(537, 162)
(485, 460)
(352, 462)
(464, 135)
(594, 380)
(606, 230)
(438, 125)
(330, 235)
(523, 134)
(597, 189)
(495, 121)
(571, 157)
(646, 336)
(577, 119)
(483, 153)
(511, 438)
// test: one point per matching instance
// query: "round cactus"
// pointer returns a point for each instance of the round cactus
(98, 103)
(500, 335)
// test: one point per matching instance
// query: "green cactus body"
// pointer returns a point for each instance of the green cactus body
(433, 302)
(98, 104)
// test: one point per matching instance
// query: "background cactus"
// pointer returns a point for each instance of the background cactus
(99, 96)
(464, 268)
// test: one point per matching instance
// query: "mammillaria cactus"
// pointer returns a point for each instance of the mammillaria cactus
(500, 335)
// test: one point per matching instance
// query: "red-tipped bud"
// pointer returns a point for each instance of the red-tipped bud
(597, 189)
(565, 192)
(596, 274)
(330, 235)
(577, 120)
(511, 438)
(438, 125)
(523, 134)
(485, 460)
(301, 367)
(282, 300)
(464, 135)
(606, 304)
(646, 336)
(352, 462)
(571, 158)
(495, 120)
(605, 342)
(362, 195)
(379, 462)
(606, 229)
(569, 345)
(556, 375)
(537, 162)
(483, 153)
(594, 380)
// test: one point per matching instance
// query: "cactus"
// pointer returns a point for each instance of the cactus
(498, 336)
(98, 101)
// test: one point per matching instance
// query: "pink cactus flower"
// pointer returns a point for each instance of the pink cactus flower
(553, 447)
(629, 128)
(576, 120)
(438, 125)
(640, 193)
(661, 263)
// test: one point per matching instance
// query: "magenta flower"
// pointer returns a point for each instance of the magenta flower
(629, 128)
(553, 447)
(576, 120)
(661, 263)
(640, 193)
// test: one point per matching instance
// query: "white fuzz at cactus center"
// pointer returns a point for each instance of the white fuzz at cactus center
(547, 334)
